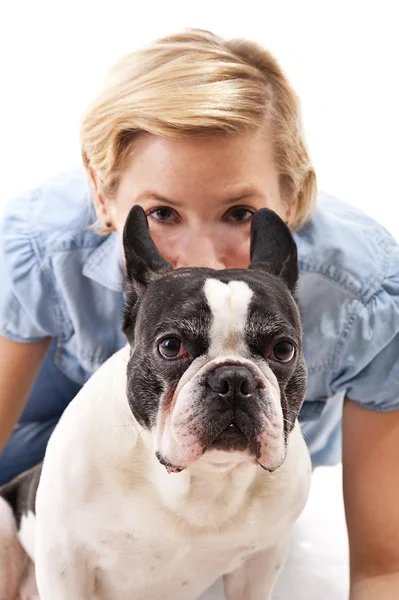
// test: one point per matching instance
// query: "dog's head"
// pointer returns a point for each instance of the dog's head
(216, 356)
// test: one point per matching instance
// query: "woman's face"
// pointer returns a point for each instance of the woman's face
(199, 196)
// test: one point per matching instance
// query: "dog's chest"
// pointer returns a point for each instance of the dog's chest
(153, 566)
(155, 555)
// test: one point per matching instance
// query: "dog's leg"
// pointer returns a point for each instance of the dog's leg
(13, 558)
(28, 589)
(63, 575)
(256, 578)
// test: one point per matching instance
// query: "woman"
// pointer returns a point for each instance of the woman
(202, 132)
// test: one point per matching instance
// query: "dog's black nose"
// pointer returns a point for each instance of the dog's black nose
(232, 380)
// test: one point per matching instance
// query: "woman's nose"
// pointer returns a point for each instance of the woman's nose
(197, 251)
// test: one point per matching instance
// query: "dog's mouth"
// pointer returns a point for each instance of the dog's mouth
(168, 466)
(231, 439)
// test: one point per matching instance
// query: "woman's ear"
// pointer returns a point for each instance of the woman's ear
(100, 203)
(290, 214)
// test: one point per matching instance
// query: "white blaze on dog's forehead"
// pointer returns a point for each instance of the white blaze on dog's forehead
(229, 303)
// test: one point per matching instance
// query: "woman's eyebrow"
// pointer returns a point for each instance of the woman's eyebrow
(150, 195)
(241, 196)
(229, 199)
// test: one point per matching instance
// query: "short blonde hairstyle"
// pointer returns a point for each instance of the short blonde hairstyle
(198, 84)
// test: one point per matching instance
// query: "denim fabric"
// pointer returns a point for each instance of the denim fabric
(61, 279)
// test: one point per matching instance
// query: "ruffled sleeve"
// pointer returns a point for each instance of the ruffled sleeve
(367, 354)
(27, 302)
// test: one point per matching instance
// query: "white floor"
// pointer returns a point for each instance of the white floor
(317, 567)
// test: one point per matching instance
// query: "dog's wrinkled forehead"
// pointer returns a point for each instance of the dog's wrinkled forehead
(171, 305)
(215, 306)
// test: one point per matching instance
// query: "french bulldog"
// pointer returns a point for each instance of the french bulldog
(181, 460)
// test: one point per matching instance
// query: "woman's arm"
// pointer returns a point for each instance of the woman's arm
(384, 587)
(19, 365)
(371, 493)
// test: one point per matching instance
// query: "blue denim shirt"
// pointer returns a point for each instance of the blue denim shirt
(61, 279)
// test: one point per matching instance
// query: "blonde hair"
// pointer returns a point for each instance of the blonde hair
(197, 83)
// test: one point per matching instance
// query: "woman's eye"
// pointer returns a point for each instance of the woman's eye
(240, 215)
(283, 352)
(163, 215)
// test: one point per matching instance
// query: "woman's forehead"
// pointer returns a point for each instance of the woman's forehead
(229, 167)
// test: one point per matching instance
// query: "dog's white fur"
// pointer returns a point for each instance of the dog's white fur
(117, 525)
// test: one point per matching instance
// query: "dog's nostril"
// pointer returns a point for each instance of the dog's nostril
(232, 379)
(245, 387)
(218, 385)
(224, 387)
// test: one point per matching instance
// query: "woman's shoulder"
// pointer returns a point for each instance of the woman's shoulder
(349, 296)
(342, 244)
(55, 215)
(54, 269)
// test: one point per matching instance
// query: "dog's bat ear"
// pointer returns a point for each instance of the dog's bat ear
(273, 249)
(143, 261)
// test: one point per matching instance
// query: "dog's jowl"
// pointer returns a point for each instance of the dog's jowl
(181, 460)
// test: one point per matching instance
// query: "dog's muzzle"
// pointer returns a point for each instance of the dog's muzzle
(228, 406)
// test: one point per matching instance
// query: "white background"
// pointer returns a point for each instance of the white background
(342, 59)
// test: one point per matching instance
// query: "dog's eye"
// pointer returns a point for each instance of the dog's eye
(171, 348)
(283, 352)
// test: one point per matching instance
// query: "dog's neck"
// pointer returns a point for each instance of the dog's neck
(208, 493)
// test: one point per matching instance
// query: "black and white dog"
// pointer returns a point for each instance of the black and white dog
(208, 388)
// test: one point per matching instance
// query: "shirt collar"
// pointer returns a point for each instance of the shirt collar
(105, 264)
